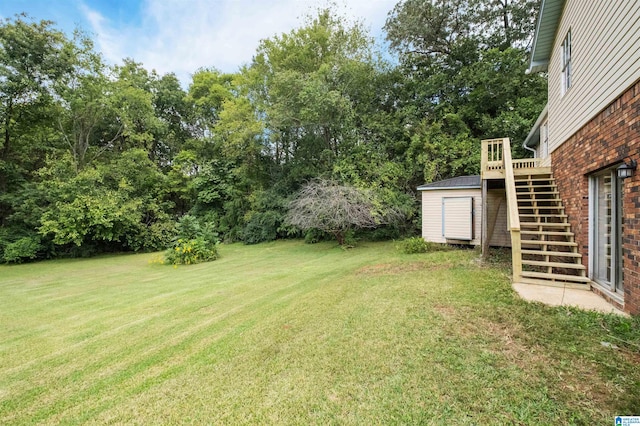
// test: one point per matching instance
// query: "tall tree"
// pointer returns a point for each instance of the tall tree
(305, 81)
(464, 62)
(33, 57)
(175, 114)
(87, 117)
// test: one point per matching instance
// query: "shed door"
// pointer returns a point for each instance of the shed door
(457, 218)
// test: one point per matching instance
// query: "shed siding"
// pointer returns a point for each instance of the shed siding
(605, 62)
(432, 212)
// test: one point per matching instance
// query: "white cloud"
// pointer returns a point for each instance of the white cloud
(181, 36)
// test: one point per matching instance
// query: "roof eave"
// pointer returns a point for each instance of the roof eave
(546, 28)
(439, 188)
(538, 66)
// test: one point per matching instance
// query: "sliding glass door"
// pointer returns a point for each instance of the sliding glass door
(606, 248)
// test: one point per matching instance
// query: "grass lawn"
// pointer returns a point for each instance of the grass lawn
(288, 333)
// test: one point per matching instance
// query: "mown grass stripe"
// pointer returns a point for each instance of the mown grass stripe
(287, 333)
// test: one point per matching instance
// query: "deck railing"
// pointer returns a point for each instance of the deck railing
(492, 159)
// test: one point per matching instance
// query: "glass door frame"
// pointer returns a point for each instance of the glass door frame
(615, 283)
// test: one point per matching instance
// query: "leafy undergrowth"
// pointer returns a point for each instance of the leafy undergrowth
(288, 333)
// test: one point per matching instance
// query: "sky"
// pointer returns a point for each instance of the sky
(182, 36)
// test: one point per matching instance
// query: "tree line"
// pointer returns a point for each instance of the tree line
(102, 158)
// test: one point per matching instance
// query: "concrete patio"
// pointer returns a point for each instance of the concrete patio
(560, 296)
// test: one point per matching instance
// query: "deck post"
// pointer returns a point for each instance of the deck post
(484, 234)
(512, 206)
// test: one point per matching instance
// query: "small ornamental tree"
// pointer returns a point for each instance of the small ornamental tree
(336, 209)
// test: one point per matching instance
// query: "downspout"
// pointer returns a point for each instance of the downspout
(524, 145)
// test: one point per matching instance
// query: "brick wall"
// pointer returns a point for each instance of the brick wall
(610, 137)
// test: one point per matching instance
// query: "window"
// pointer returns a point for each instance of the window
(566, 63)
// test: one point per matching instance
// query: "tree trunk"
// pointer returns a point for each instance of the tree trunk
(505, 19)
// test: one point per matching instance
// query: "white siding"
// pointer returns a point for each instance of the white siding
(543, 147)
(432, 213)
(605, 61)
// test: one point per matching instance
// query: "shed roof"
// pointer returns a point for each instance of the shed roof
(546, 27)
(460, 182)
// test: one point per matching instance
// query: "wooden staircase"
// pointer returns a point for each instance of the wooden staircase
(549, 252)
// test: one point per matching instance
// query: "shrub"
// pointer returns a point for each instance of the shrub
(313, 236)
(194, 243)
(419, 245)
(350, 240)
(23, 249)
(158, 235)
(263, 226)
(188, 227)
(187, 252)
(383, 233)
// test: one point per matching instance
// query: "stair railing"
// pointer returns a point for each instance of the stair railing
(512, 206)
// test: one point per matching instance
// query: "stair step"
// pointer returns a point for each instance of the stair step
(541, 183)
(537, 196)
(554, 233)
(531, 199)
(545, 224)
(578, 266)
(537, 200)
(559, 215)
(550, 243)
(552, 253)
(536, 192)
(556, 211)
(534, 281)
(525, 184)
(521, 189)
(525, 178)
(547, 211)
(555, 277)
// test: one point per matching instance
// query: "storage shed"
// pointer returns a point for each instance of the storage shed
(452, 212)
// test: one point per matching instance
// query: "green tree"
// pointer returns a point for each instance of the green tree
(86, 115)
(114, 206)
(175, 113)
(464, 64)
(304, 87)
(33, 57)
(208, 90)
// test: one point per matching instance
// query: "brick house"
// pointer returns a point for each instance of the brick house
(574, 214)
